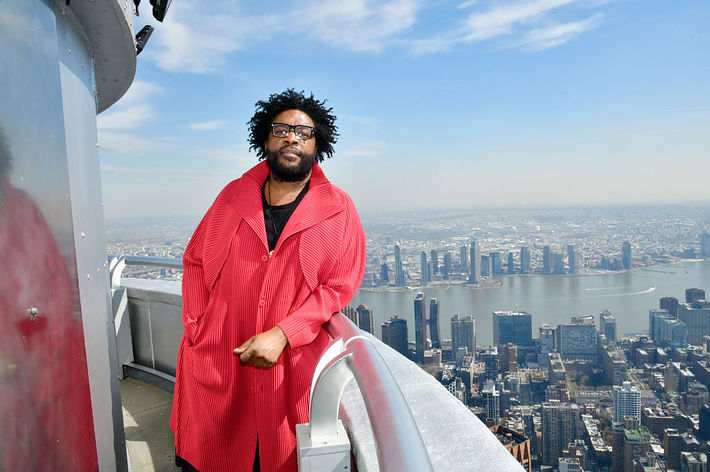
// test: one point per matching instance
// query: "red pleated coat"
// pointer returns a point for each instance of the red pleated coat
(232, 290)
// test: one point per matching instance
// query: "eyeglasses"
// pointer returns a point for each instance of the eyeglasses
(302, 132)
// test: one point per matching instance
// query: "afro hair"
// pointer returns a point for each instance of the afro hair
(260, 124)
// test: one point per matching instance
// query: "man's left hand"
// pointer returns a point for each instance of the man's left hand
(264, 349)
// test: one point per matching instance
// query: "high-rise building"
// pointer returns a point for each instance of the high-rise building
(693, 295)
(558, 263)
(463, 333)
(607, 325)
(672, 447)
(704, 423)
(398, 270)
(419, 328)
(524, 260)
(626, 255)
(474, 275)
(491, 399)
(463, 254)
(448, 266)
(627, 402)
(434, 261)
(485, 266)
(384, 273)
(559, 427)
(511, 263)
(705, 245)
(654, 323)
(673, 333)
(434, 323)
(512, 327)
(351, 314)
(696, 316)
(365, 321)
(394, 334)
(496, 263)
(572, 259)
(670, 304)
(546, 260)
(577, 341)
(425, 268)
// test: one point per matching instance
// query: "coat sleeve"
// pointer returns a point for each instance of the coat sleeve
(302, 325)
(194, 291)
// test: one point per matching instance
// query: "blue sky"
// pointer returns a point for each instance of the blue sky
(440, 104)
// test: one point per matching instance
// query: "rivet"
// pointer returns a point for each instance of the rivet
(83, 235)
(88, 276)
(32, 311)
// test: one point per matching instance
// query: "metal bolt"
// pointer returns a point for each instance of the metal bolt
(32, 311)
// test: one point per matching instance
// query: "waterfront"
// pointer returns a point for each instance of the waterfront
(550, 299)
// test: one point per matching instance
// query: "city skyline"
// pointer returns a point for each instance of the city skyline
(536, 103)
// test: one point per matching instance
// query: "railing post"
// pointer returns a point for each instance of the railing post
(323, 444)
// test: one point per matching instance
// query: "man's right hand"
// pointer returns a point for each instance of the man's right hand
(264, 349)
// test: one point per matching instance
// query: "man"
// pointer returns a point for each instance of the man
(279, 251)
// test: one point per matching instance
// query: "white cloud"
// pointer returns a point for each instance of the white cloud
(360, 25)
(197, 36)
(545, 38)
(126, 143)
(125, 118)
(156, 170)
(532, 24)
(208, 125)
(503, 18)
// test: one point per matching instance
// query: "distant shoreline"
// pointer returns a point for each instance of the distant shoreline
(498, 282)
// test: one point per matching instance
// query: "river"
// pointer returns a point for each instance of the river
(549, 299)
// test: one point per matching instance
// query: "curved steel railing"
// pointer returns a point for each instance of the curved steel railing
(118, 263)
(397, 440)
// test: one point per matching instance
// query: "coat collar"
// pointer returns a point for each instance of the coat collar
(320, 202)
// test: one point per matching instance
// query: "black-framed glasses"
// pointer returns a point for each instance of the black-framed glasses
(302, 132)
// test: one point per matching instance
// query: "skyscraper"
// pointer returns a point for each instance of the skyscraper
(607, 325)
(696, 316)
(559, 426)
(384, 273)
(654, 324)
(627, 402)
(398, 270)
(511, 263)
(705, 245)
(464, 258)
(670, 304)
(491, 398)
(496, 266)
(693, 295)
(572, 259)
(434, 261)
(485, 266)
(394, 334)
(577, 340)
(419, 328)
(524, 260)
(463, 333)
(546, 260)
(474, 275)
(434, 323)
(626, 254)
(425, 268)
(558, 263)
(448, 266)
(512, 327)
(365, 321)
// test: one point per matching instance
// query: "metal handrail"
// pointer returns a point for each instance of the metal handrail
(397, 440)
(118, 263)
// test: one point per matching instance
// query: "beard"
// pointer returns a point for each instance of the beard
(289, 173)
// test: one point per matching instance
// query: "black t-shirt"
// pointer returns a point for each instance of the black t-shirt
(276, 217)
